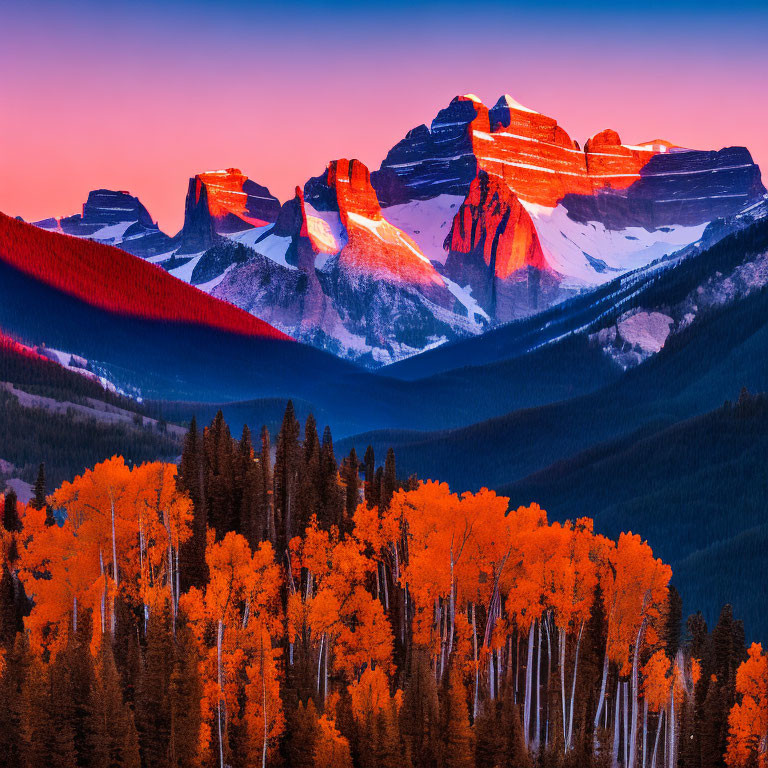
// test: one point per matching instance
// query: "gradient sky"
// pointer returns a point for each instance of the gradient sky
(141, 95)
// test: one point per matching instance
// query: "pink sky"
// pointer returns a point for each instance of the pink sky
(142, 100)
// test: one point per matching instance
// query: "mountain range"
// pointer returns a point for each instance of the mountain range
(486, 216)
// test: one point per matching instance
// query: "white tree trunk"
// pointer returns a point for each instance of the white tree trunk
(562, 681)
(645, 732)
(616, 726)
(573, 690)
(114, 543)
(220, 675)
(325, 672)
(549, 675)
(537, 734)
(625, 704)
(264, 707)
(671, 726)
(320, 661)
(477, 671)
(656, 740)
(635, 682)
(601, 700)
(451, 606)
(528, 682)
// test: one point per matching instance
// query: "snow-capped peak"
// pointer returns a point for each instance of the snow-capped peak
(514, 104)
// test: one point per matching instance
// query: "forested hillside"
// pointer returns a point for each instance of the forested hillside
(696, 489)
(253, 607)
(69, 421)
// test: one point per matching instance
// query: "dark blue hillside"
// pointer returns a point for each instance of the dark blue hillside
(692, 490)
(696, 372)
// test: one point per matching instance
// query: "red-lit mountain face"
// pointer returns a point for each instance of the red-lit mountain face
(493, 247)
(220, 203)
(115, 281)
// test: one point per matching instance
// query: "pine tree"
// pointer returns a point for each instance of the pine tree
(190, 479)
(61, 713)
(153, 710)
(35, 716)
(351, 480)
(246, 490)
(331, 497)
(17, 661)
(9, 622)
(420, 714)
(286, 479)
(389, 752)
(389, 480)
(378, 482)
(457, 749)
(11, 521)
(369, 461)
(302, 736)
(489, 737)
(672, 622)
(266, 512)
(516, 754)
(218, 449)
(184, 697)
(82, 682)
(308, 493)
(114, 739)
(38, 497)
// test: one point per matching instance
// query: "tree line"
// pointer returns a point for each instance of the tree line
(261, 605)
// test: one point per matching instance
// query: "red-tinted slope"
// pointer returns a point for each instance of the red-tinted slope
(113, 280)
(375, 246)
(492, 225)
(10, 347)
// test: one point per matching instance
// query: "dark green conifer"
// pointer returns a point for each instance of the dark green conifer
(11, 521)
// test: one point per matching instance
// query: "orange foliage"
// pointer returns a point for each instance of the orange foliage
(331, 748)
(370, 695)
(121, 531)
(336, 607)
(634, 589)
(748, 721)
(241, 605)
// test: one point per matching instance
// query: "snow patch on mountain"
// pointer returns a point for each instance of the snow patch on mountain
(184, 272)
(589, 254)
(274, 247)
(112, 234)
(326, 232)
(426, 222)
(475, 312)
(642, 332)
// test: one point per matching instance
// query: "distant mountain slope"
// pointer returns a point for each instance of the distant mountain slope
(115, 281)
(116, 218)
(727, 247)
(692, 489)
(698, 369)
(335, 273)
(54, 415)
